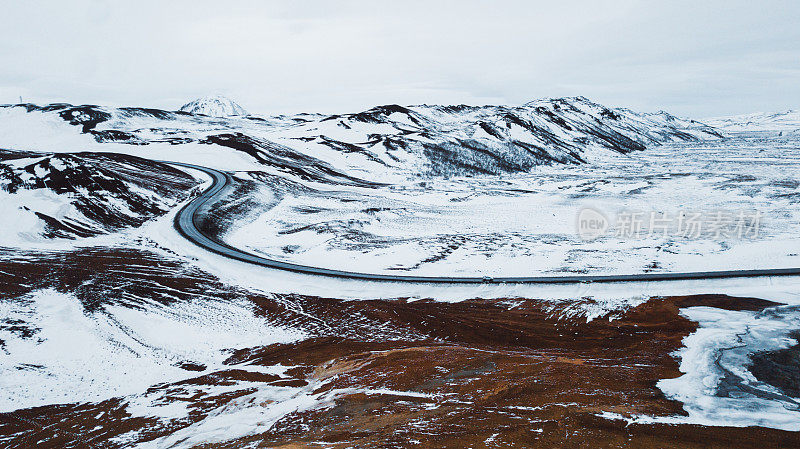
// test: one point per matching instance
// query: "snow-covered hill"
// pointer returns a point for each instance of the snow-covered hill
(391, 142)
(83, 194)
(214, 106)
(760, 121)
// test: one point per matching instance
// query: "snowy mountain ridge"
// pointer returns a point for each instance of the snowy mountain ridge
(390, 141)
(458, 140)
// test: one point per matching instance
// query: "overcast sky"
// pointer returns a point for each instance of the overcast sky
(693, 58)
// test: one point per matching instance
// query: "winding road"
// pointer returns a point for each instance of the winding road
(188, 218)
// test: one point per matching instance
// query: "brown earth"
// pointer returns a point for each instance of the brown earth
(477, 373)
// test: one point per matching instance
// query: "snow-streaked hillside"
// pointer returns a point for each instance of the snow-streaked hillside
(83, 194)
(214, 106)
(394, 142)
(760, 121)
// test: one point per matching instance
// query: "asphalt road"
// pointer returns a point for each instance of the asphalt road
(188, 218)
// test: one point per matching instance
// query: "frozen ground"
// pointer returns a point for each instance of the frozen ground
(526, 224)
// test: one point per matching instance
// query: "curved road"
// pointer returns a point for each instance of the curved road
(188, 218)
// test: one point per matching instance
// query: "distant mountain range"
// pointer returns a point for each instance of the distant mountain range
(760, 121)
(393, 140)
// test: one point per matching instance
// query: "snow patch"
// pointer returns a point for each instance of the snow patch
(70, 355)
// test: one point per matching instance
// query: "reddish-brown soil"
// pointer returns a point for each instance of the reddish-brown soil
(484, 373)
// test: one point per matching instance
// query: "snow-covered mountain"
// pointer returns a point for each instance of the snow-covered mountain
(214, 106)
(458, 140)
(760, 121)
(392, 141)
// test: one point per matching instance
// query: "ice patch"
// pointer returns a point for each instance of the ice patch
(717, 388)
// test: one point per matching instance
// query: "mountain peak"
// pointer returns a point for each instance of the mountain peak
(562, 100)
(214, 106)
